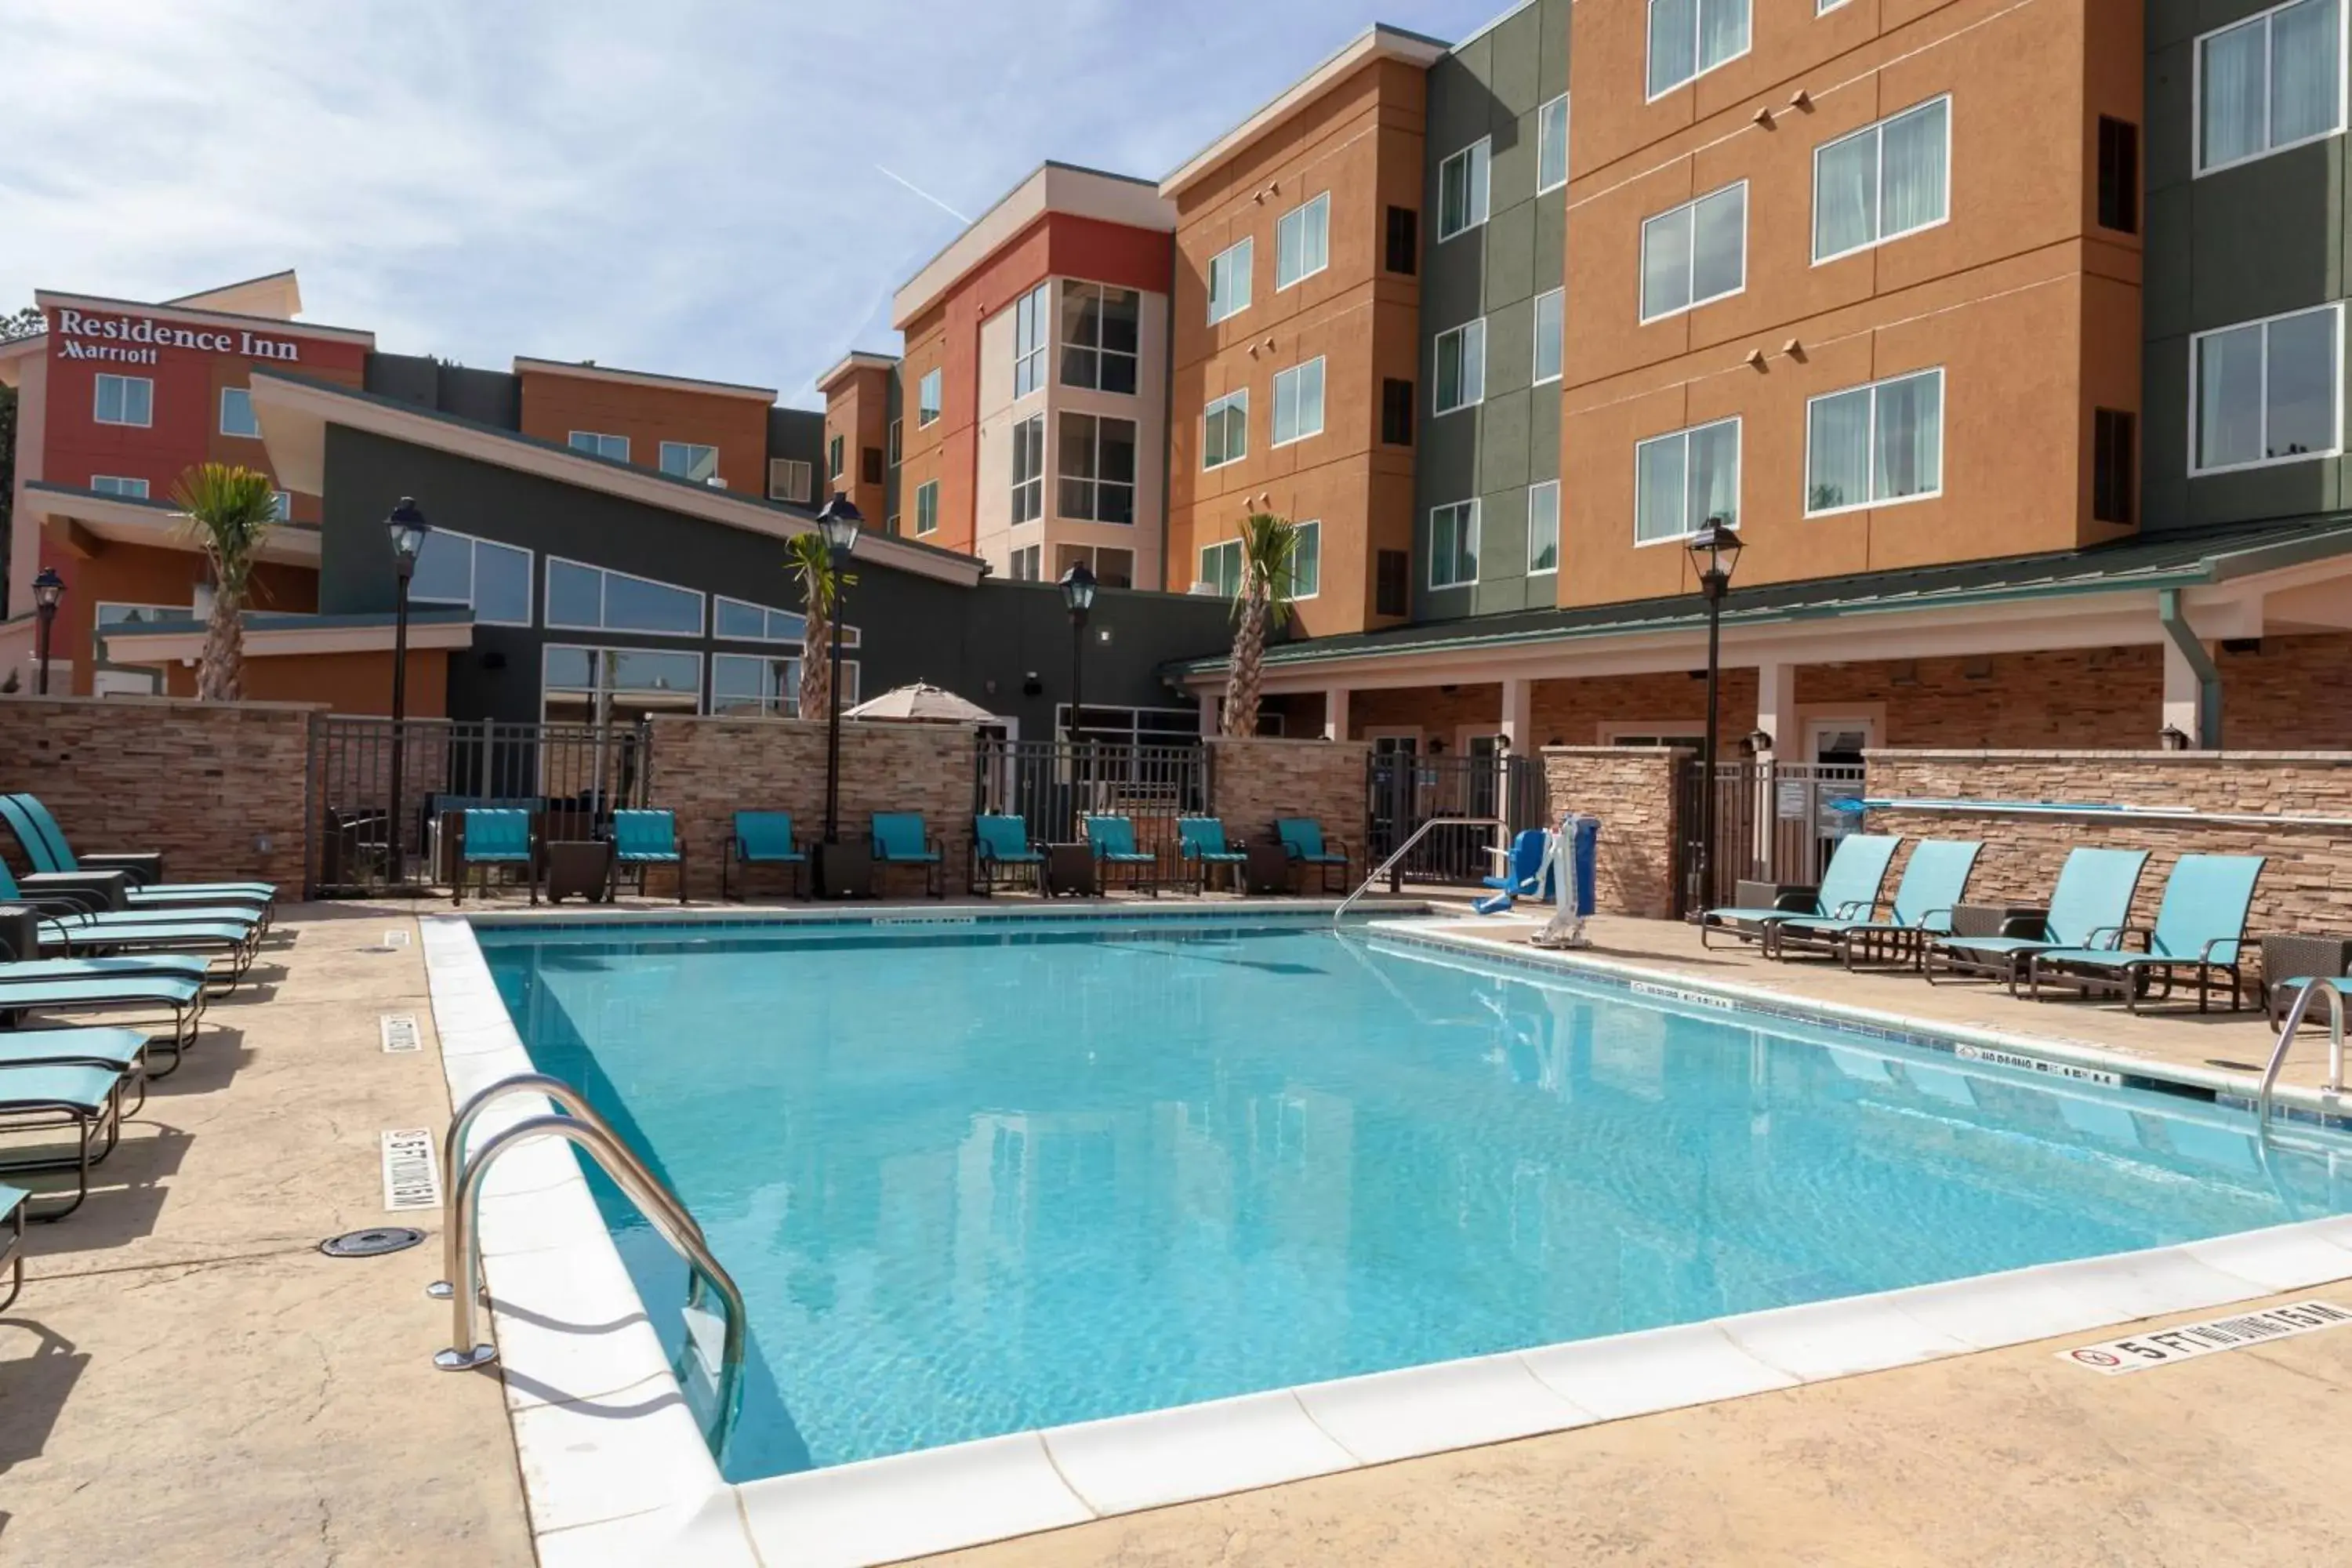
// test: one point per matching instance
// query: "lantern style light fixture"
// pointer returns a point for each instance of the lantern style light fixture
(1715, 552)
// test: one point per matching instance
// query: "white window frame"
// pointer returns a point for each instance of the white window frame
(786, 466)
(1552, 570)
(1942, 386)
(1543, 141)
(1823, 7)
(2196, 345)
(1102, 352)
(1312, 527)
(117, 485)
(929, 402)
(1535, 334)
(1739, 461)
(1294, 375)
(1035, 481)
(1033, 556)
(837, 457)
(1878, 128)
(1475, 509)
(1698, 26)
(720, 603)
(547, 601)
(1478, 200)
(897, 440)
(928, 490)
(2200, 168)
(1437, 350)
(1029, 356)
(228, 393)
(1248, 247)
(98, 392)
(471, 601)
(1237, 398)
(1096, 484)
(572, 439)
(701, 669)
(1691, 206)
(1300, 214)
(1217, 549)
(662, 459)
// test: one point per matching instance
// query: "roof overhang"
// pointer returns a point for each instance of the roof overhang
(850, 364)
(295, 412)
(84, 522)
(579, 372)
(1051, 188)
(277, 295)
(1377, 42)
(284, 636)
(51, 303)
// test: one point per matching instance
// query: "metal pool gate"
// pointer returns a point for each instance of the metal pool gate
(1774, 822)
(573, 776)
(1404, 789)
(1050, 784)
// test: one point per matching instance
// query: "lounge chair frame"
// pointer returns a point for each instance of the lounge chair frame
(1194, 836)
(641, 858)
(42, 1115)
(12, 1241)
(992, 868)
(1142, 865)
(740, 854)
(933, 858)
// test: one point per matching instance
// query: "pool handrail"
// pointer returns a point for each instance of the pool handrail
(2294, 1015)
(1404, 849)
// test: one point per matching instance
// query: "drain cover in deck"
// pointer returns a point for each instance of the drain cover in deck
(373, 1242)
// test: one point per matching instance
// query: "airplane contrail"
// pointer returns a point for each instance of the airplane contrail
(927, 195)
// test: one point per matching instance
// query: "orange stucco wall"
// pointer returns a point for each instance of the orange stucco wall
(555, 405)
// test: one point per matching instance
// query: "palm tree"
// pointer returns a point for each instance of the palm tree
(808, 559)
(229, 510)
(1269, 559)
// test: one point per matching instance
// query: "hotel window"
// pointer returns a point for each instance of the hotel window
(1221, 568)
(1029, 468)
(1461, 190)
(927, 399)
(1392, 582)
(1684, 478)
(870, 465)
(1112, 567)
(2267, 392)
(590, 598)
(896, 446)
(615, 447)
(1100, 334)
(1302, 242)
(1695, 253)
(1026, 563)
(2113, 473)
(927, 508)
(1030, 317)
(739, 620)
(1823, 7)
(837, 457)
(1403, 251)
(1689, 39)
(1885, 181)
(755, 685)
(1543, 528)
(1229, 280)
(1396, 412)
(236, 413)
(1098, 464)
(1225, 430)
(611, 684)
(788, 479)
(2118, 175)
(281, 505)
(1307, 562)
(685, 460)
(1870, 444)
(2269, 82)
(1298, 402)
(1550, 323)
(1453, 546)
(1551, 145)
(492, 580)
(125, 400)
(115, 485)
(1461, 367)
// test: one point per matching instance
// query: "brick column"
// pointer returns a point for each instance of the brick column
(1255, 780)
(1631, 790)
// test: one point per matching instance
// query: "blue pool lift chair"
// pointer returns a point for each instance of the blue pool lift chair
(490, 836)
(1933, 880)
(1201, 844)
(2089, 908)
(1002, 854)
(898, 838)
(1524, 875)
(1113, 838)
(1849, 891)
(2201, 926)
(764, 838)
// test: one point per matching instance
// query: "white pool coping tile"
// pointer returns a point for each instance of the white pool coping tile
(624, 1477)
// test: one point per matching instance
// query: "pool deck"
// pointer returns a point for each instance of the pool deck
(185, 1379)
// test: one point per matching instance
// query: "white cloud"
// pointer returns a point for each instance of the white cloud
(688, 186)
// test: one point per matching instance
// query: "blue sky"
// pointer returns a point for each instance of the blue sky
(691, 186)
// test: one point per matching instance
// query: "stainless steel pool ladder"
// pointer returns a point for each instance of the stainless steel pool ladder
(1406, 848)
(585, 1127)
(2334, 990)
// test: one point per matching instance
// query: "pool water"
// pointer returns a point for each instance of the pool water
(982, 1178)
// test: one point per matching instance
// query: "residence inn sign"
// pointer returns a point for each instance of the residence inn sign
(135, 340)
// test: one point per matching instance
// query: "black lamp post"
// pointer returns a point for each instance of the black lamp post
(407, 527)
(47, 588)
(1078, 595)
(842, 870)
(1715, 550)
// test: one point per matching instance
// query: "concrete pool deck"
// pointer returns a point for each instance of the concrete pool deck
(186, 1379)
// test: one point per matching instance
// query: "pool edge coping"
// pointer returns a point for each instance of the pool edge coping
(655, 1485)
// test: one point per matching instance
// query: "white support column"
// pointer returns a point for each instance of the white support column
(1208, 713)
(1776, 710)
(1335, 713)
(1519, 714)
(2183, 711)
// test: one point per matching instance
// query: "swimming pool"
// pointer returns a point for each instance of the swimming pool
(991, 1177)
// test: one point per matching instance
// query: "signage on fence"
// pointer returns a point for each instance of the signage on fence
(1791, 799)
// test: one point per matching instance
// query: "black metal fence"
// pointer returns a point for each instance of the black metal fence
(1050, 784)
(1406, 789)
(573, 776)
(1774, 822)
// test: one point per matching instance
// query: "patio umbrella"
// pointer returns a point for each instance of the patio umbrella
(921, 703)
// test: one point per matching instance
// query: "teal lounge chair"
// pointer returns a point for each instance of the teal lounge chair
(898, 839)
(1001, 849)
(1113, 838)
(1933, 880)
(2200, 927)
(1302, 840)
(2088, 908)
(642, 841)
(1200, 842)
(1849, 891)
(86, 1100)
(495, 835)
(44, 846)
(764, 838)
(118, 1050)
(72, 927)
(67, 986)
(12, 1201)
